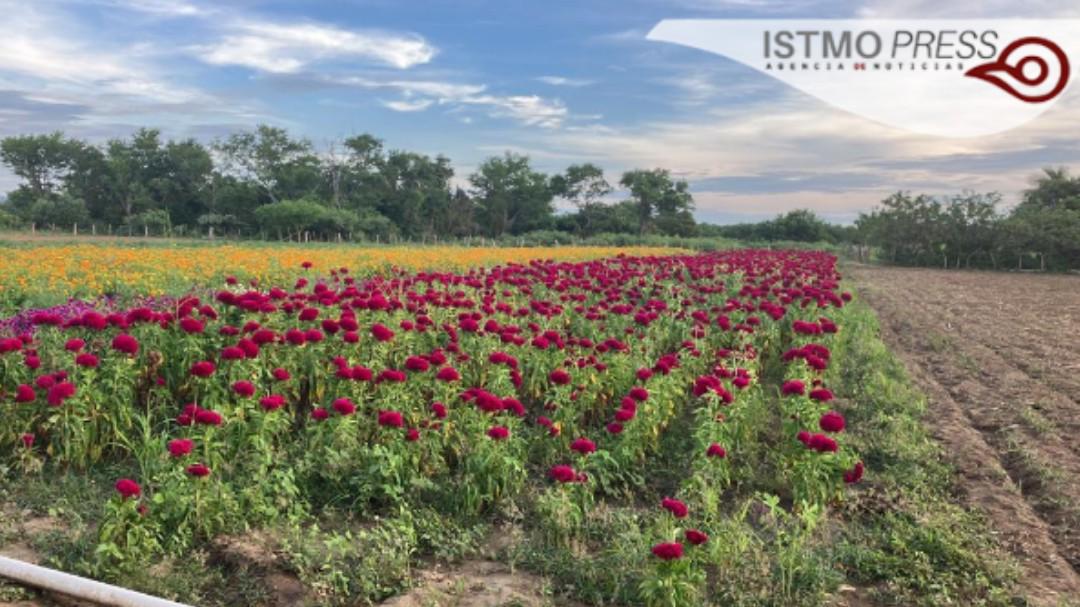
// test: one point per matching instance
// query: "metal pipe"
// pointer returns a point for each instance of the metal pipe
(77, 587)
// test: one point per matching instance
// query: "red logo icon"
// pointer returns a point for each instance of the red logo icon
(1018, 56)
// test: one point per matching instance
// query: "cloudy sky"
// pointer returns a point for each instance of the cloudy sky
(563, 81)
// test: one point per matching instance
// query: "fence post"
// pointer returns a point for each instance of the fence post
(75, 229)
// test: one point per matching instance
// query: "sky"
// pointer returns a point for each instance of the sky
(562, 81)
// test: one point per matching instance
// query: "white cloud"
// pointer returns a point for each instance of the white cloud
(531, 110)
(925, 9)
(280, 48)
(563, 81)
(408, 106)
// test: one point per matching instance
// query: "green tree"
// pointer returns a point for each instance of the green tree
(660, 201)
(510, 197)
(281, 167)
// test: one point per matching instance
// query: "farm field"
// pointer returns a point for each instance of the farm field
(999, 358)
(492, 426)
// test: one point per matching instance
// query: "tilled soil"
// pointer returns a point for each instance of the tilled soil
(998, 357)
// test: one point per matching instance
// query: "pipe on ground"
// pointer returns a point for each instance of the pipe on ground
(77, 587)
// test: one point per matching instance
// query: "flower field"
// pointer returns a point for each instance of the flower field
(52, 273)
(674, 412)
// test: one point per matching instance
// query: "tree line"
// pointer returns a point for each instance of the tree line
(970, 231)
(267, 183)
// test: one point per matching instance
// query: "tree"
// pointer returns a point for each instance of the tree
(42, 160)
(657, 197)
(279, 165)
(289, 217)
(583, 185)
(510, 197)
(60, 210)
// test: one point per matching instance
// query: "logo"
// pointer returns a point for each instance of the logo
(951, 78)
(1024, 64)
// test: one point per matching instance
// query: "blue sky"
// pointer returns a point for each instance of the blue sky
(564, 82)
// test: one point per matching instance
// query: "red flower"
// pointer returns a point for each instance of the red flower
(179, 447)
(822, 444)
(272, 402)
(715, 450)
(668, 551)
(793, 387)
(696, 537)
(498, 432)
(439, 410)
(128, 488)
(191, 325)
(448, 374)
(345, 407)
(203, 368)
(625, 415)
(821, 395)
(24, 393)
(244, 388)
(60, 392)
(675, 507)
(583, 446)
(392, 419)
(74, 344)
(614, 428)
(207, 417)
(639, 394)
(559, 377)
(412, 435)
(126, 344)
(27, 440)
(832, 422)
(416, 363)
(644, 374)
(562, 474)
(86, 359)
(281, 374)
(198, 470)
(855, 474)
(232, 353)
(381, 332)
(319, 413)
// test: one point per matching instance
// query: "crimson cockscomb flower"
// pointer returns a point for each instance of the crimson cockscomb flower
(448, 374)
(381, 332)
(128, 488)
(244, 388)
(417, 363)
(823, 395)
(27, 440)
(639, 394)
(439, 410)
(391, 419)
(272, 402)
(203, 368)
(831, 422)
(675, 507)
(793, 387)
(498, 432)
(583, 446)
(822, 444)
(344, 406)
(644, 374)
(559, 377)
(668, 551)
(60, 392)
(281, 374)
(74, 344)
(696, 537)
(232, 353)
(614, 428)
(126, 344)
(855, 474)
(412, 435)
(206, 417)
(625, 415)
(191, 325)
(562, 474)
(179, 447)
(24, 393)
(715, 450)
(198, 470)
(319, 413)
(86, 359)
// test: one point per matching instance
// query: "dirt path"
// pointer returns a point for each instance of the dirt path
(998, 356)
